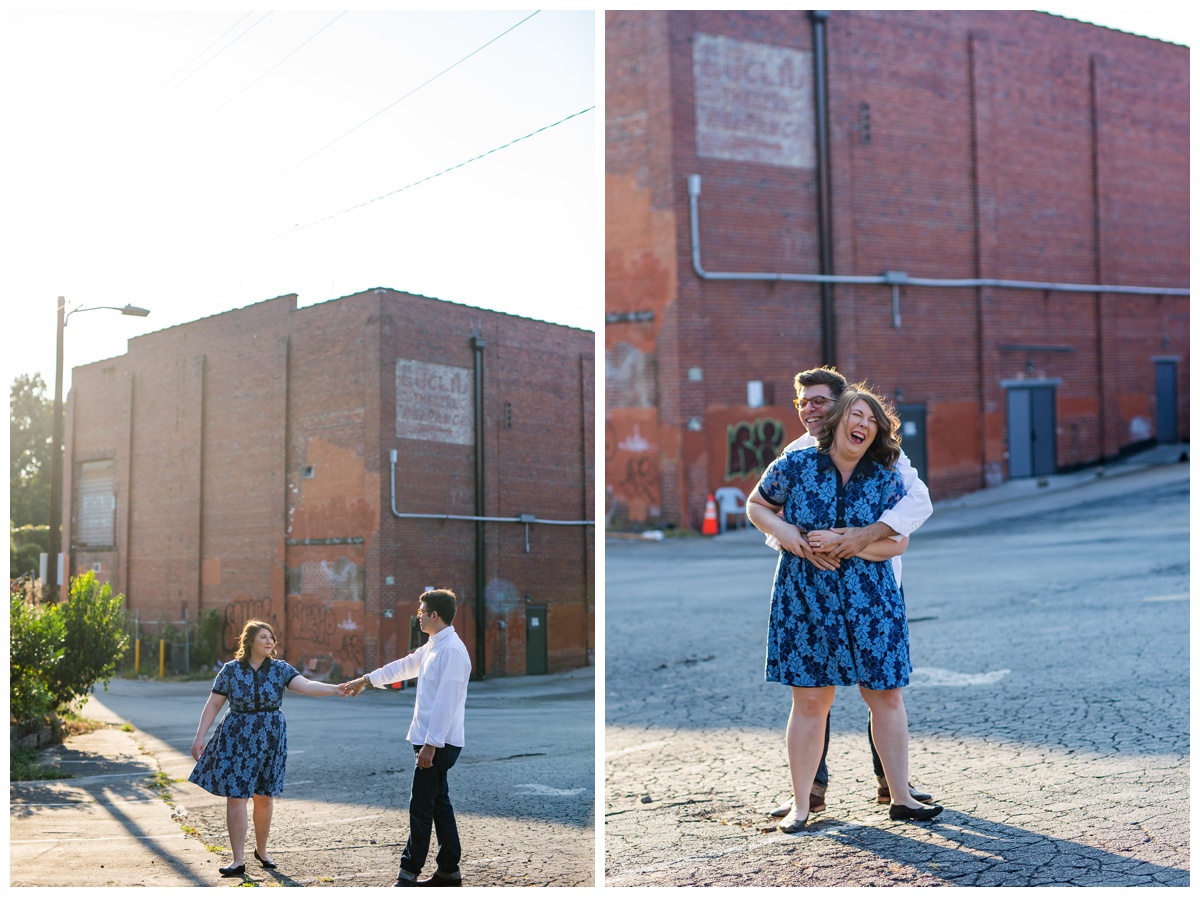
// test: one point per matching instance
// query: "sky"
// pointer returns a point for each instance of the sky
(196, 162)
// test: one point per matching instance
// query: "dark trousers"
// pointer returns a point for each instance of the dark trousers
(429, 810)
(823, 770)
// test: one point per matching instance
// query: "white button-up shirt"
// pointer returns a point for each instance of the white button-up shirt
(442, 668)
(908, 514)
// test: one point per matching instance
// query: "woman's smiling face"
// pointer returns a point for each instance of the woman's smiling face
(857, 429)
(264, 643)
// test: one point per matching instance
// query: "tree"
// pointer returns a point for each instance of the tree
(31, 430)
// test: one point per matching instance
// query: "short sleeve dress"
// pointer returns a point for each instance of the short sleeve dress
(834, 627)
(248, 753)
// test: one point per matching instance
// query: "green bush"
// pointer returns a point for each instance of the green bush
(208, 640)
(94, 641)
(36, 641)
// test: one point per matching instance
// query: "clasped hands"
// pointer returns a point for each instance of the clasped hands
(826, 548)
(353, 688)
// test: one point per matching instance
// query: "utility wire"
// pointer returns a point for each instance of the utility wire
(268, 71)
(214, 56)
(389, 106)
(202, 52)
(300, 227)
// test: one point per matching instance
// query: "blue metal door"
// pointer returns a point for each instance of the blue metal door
(1168, 421)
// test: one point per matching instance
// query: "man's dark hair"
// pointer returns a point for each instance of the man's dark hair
(822, 376)
(443, 603)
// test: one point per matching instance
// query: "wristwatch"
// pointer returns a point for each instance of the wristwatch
(366, 680)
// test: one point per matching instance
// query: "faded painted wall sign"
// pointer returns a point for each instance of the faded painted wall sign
(752, 445)
(754, 102)
(433, 402)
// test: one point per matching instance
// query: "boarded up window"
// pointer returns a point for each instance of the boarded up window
(433, 402)
(95, 504)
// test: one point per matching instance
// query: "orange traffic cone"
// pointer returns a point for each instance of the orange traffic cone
(710, 527)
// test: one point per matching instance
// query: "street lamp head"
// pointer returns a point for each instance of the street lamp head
(135, 311)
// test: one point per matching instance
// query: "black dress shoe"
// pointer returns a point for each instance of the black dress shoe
(265, 864)
(900, 813)
(233, 870)
(443, 880)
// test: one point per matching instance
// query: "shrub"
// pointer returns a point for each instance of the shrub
(208, 640)
(36, 640)
(94, 641)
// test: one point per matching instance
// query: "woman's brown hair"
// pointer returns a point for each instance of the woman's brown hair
(249, 634)
(885, 447)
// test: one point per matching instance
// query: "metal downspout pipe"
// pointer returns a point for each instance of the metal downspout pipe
(824, 188)
(477, 343)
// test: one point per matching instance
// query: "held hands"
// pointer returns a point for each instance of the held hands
(353, 688)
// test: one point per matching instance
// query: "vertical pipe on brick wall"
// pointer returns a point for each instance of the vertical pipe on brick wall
(1096, 245)
(477, 343)
(972, 88)
(824, 186)
(201, 365)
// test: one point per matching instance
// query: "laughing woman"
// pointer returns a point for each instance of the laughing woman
(844, 626)
(246, 757)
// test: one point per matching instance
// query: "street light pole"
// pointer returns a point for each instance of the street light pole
(56, 447)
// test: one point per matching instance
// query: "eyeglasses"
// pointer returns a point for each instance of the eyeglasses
(817, 402)
(423, 612)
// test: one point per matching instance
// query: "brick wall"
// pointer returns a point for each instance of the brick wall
(963, 144)
(252, 474)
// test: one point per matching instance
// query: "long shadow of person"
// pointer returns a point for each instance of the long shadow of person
(969, 851)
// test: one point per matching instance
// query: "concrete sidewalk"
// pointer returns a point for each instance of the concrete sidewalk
(108, 825)
(113, 823)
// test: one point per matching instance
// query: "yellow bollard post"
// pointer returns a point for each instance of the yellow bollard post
(162, 658)
(137, 658)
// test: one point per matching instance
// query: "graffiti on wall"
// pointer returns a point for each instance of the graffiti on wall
(632, 468)
(238, 611)
(326, 638)
(752, 445)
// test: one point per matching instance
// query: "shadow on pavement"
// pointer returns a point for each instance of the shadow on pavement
(981, 853)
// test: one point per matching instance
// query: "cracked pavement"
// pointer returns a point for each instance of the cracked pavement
(1048, 710)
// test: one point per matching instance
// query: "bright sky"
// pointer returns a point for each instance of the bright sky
(185, 161)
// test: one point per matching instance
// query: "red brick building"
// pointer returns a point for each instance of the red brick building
(899, 150)
(320, 467)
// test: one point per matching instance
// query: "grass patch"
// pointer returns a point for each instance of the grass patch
(128, 727)
(23, 767)
(74, 724)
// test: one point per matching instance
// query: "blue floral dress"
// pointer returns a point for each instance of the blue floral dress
(248, 753)
(834, 627)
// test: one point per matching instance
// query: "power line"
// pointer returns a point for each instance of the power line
(271, 69)
(202, 52)
(497, 149)
(214, 56)
(389, 106)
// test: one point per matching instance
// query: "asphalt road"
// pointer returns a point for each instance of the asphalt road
(1048, 707)
(523, 788)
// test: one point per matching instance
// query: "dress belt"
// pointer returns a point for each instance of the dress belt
(265, 710)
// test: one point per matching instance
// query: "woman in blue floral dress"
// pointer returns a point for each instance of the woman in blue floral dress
(247, 756)
(845, 626)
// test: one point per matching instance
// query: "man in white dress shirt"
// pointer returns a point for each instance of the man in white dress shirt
(442, 668)
(816, 392)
